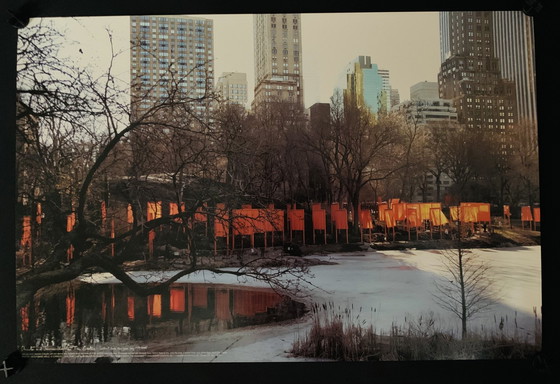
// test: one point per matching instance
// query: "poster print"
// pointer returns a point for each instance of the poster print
(162, 219)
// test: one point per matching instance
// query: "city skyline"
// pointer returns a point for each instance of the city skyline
(406, 44)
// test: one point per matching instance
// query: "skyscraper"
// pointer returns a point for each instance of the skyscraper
(470, 74)
(168, 54)
(513, 40)
(386, 96)
(278, 59)
(232, 86)
(514, 45)
(363, 83)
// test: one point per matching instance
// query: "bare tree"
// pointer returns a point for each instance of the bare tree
(101, 145)
(524, 165)
(357, 148)
(466, 288)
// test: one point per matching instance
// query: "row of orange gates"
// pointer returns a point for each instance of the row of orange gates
(248, 221)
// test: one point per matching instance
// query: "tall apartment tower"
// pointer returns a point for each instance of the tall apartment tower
(364, 84)
(171, 51)
(278, 59)
(384, 73)
(514, 44)
(470, 74)
(232, 86)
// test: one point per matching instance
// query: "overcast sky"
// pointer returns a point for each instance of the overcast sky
(406, 44)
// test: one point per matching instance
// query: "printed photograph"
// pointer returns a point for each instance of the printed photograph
(308, 187)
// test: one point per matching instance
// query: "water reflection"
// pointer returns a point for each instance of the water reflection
(84, 315)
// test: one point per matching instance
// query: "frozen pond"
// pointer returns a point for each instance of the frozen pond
(386, 288)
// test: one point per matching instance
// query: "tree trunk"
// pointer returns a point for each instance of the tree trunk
(462, 285)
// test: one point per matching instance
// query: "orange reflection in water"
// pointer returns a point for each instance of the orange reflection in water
(154, 305)
(177, 299)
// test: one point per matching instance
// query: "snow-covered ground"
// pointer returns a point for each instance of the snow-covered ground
(384, 288)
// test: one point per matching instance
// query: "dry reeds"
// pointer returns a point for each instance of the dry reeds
(343, 334)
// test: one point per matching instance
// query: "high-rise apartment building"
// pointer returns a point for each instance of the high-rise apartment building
(364, 84)
(169, 54)
(431, 116)
(514, 44)
(470, 75)
(386, 96)
(278, 59)
(513, 40)
(232, 86)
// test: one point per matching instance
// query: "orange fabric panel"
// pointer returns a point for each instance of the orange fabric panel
(315, 206)
(103, 213)
(394, 201)
(437, 217)
(425, 211)
(130, 307)
(251, 216)
(416, 208)
(26, 233)
(389, 218)
(129, 214)
(412, 217)
(526, 213)
(297, 219)
(220, 228)
(319, 219)
(173, 209)
(70, 308)
(70, 222)
(278, 220)
(154, 305)
(469, 214)
(177, 299)
(154, 210)
(39, 217)
(454, 212)
(221, 223)
(244, 222)
(484, 212)
(334, 207)
(267, 218)
(200, 215)
(537, 215)
(246, 206)
(507, 211)
(381, 208)
(341, 219)
(399, 211)
(365, 219)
